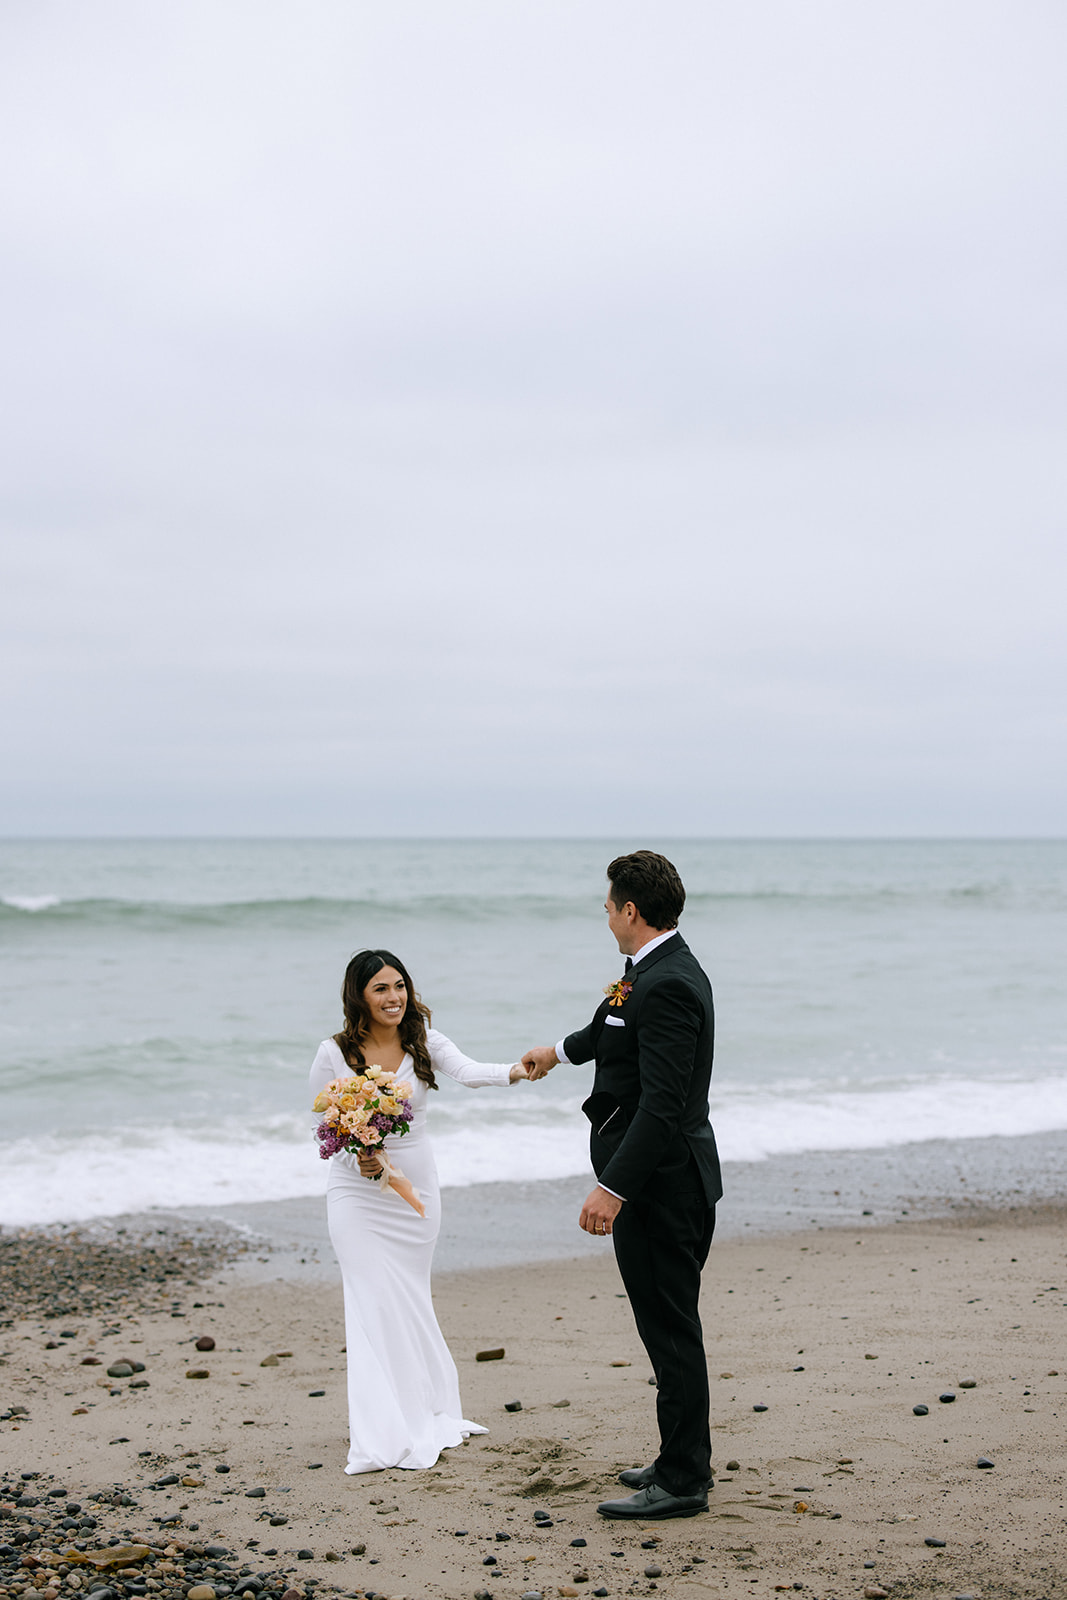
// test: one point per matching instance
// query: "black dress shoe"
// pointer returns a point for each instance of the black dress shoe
(636, 1477)
(641, 1477)
(652, 1504)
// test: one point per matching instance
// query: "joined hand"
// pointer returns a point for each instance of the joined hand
(539, 1061)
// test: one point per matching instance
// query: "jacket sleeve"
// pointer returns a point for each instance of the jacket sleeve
(670, 1024)
(580, 1046)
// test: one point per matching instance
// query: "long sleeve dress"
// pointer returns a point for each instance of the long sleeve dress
(403, 1388)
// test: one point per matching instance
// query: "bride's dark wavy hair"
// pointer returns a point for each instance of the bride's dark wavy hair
(363, 967)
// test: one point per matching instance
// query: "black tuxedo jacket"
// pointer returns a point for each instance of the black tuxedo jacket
(649, 1104)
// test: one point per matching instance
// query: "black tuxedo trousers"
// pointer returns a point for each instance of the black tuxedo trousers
(662, 1239)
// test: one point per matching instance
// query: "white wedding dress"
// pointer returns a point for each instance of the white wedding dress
(403, 1389)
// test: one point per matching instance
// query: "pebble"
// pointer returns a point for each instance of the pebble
(255, 1494)
(875, 1592)
(270, 1361)
(198, 1372)
(316, 1394)
(61, 1273)
(533, 1594)
(121, 1369)
(653, 1572)
(968, 1383)
(947, 1397)
(733, 1466)
(578, 1544)
(305, 1555)
(512, 1405)
(560, 1404)
(200, 1591)
(205, 1342)
(984, 1461)
(490, 1355)
(935, 1544)
(222, 1467)
(921, 1411)
(761, 1408)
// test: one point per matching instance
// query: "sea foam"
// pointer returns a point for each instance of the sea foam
(73, 1178)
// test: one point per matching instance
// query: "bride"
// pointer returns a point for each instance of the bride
(403, 1389)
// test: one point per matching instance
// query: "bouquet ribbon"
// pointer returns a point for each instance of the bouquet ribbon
(392, 1178)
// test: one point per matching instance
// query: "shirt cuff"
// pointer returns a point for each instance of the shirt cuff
(561, 1055)
(612, 1192)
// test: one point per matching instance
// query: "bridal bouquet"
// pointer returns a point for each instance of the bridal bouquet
(358, 1113)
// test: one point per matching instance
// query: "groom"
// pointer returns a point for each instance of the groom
(654, 1154)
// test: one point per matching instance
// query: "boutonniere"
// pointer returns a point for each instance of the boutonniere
(618, 992)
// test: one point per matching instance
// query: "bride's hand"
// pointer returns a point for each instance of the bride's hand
(518, 1072)
(369, 1163)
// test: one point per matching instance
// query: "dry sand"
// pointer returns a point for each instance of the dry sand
(837, 1487)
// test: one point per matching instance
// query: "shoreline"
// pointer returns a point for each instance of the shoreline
(492, 1225)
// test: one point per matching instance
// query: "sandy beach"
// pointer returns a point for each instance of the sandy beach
(820, 1344)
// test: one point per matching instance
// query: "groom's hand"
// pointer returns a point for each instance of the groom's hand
(599, 1211)
(540, 1061)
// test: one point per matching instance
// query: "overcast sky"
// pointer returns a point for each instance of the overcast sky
(533, 416)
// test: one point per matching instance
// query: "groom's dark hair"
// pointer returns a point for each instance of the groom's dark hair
(652, 883)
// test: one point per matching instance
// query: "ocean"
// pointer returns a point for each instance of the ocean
(163, 999)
